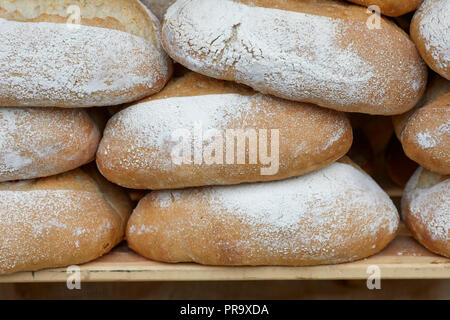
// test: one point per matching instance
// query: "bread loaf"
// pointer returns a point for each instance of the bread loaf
(333, 215)
(426, 210)
(426, 137)
(91, 53)
(58, 221)
(321, 52)
(430, 31)
(158, 7)
(39, 142)
(436, 87)
(392, 8)
(200, 131)
(425, 130)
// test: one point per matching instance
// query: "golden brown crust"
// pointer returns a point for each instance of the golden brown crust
(39, 142)
(234, 51)
(186, 83)
(291, 222)
(392, 8)
(97, 67)
(132, 157)
(430, 32)
(426, 136)
(436, 86)
(425, 209)
(59, 221)
(123, 15)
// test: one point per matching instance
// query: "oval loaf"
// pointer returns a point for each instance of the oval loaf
(426, 137)
(425, 130)
(333, 215)
(426, 210)
(320, 52)
(233, 135)
(58, 221)
(40, 142)
(436, 87)
(430, 31)
(95, 53)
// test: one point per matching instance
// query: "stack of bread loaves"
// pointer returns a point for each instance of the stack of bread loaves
(425, 133)
(244, 143)
(299, 204)
(53, 213)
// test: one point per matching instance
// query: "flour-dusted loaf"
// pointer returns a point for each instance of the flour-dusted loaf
(58, 221)
(430, 30)
(436, 87)
(333, 215)
(112, 55)
(158, 7)
(40, 142)
(320, 52)
(426, 210)
(426, 137)
(285, 138)
(425, 131)
(392, 8)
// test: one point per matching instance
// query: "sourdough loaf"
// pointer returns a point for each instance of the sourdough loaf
(93, 53)
(333, 215)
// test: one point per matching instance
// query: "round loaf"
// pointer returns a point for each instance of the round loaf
(426, 136)
(225, 126)
(58, 221)
(334, 215)
(430, 31)
(426, 210)
(391, 8)
(112, 56)
(158, 7)
(40, 142)
(320, 52)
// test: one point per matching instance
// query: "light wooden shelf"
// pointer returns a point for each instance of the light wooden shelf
(404, 258)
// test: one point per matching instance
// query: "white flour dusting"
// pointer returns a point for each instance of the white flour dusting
(428, 139)
(30, 221)
(430, 205)
(150, 126)
(49, 64)
(36, 142)
(435, 29)
(292, 55)
(311, 214)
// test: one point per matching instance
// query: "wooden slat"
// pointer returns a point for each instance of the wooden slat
(404, 258)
